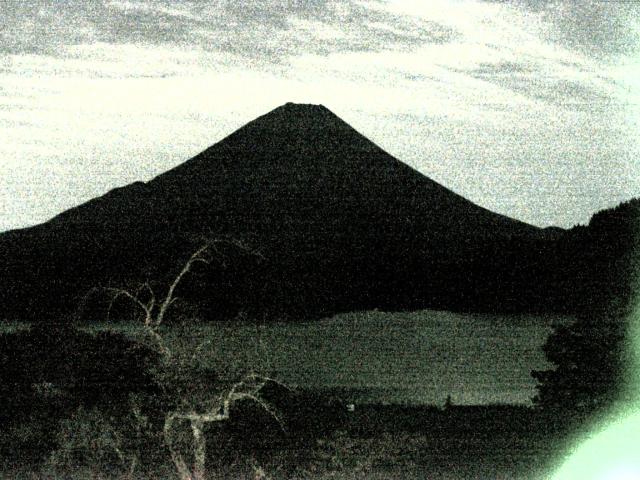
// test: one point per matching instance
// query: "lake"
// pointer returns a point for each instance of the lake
(408, 357)
(414, 357)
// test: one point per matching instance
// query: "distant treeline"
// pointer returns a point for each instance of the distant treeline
(570, 271)
(576, 271)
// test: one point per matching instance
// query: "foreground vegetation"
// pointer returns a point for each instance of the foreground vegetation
(148, 402)
(371, 442)
(93, 403)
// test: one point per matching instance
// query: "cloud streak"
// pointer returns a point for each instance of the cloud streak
(269, 30)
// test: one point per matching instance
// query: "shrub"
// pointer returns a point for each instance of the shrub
(47, 373)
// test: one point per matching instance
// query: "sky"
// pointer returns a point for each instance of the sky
(528, 108)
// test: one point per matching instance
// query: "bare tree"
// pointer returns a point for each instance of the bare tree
(246, 389)
(154, 314)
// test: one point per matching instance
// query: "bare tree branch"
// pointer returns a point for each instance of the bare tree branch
(119, 292)
(169, 299)
(247, 389)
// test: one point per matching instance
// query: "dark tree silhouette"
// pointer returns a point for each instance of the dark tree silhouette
(602, 263)
(589, 360)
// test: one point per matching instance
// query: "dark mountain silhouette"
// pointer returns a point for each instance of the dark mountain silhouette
(341, 225)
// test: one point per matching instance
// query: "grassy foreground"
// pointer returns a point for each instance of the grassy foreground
(374, 441)
(323, 439)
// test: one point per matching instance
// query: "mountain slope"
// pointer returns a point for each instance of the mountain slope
(341, 225)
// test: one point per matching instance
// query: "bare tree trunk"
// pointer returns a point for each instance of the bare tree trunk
(176, 457)
(199, 450)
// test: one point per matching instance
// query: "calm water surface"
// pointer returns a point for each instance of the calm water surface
(414, 357)
(417, 357)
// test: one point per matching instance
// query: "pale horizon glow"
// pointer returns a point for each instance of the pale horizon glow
(529, 110)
